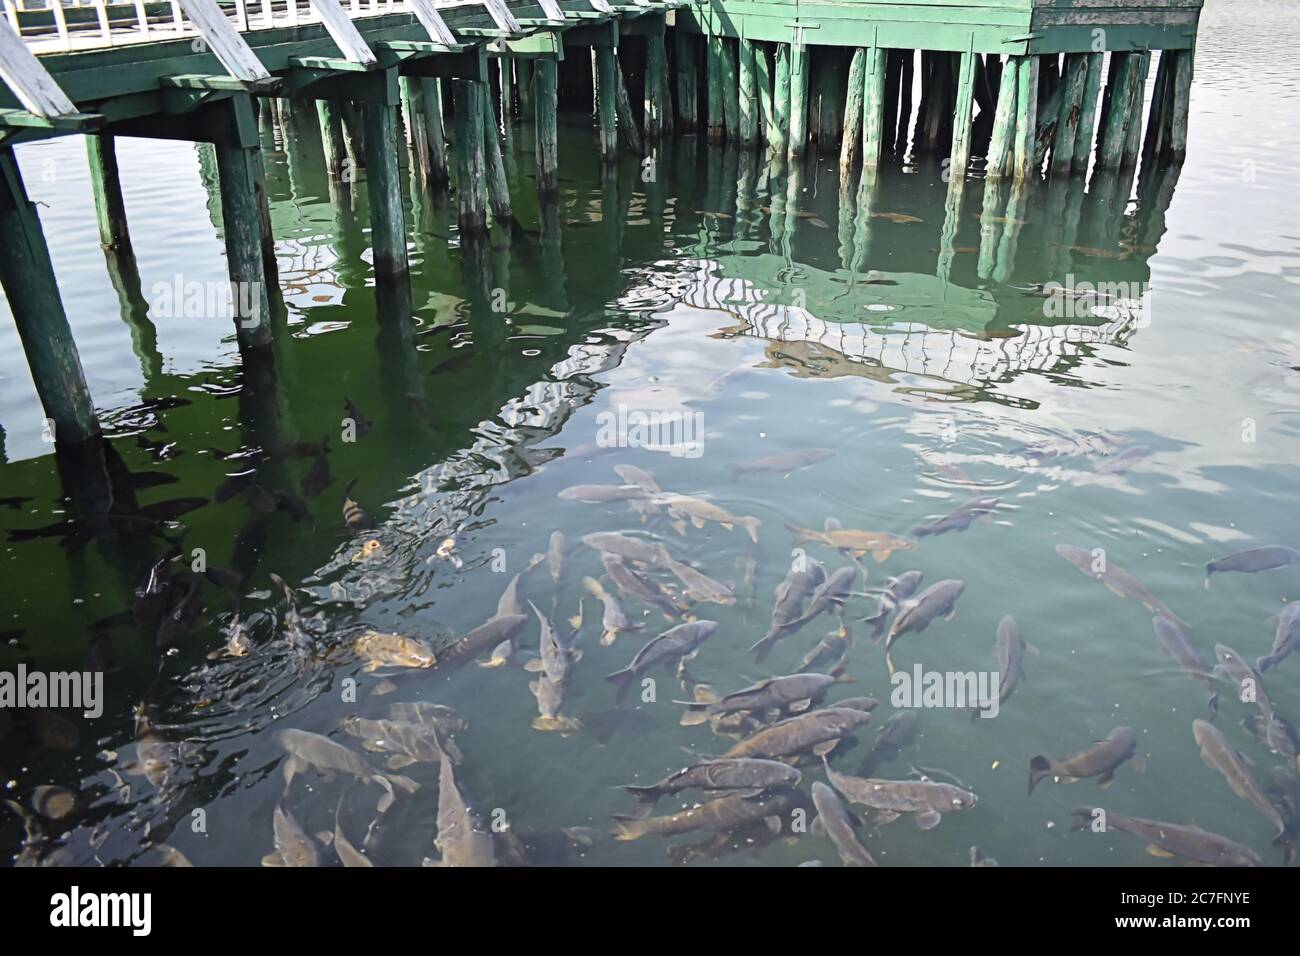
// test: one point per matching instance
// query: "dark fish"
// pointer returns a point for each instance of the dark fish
(1009, 650)
(786, 463)
(834, 820)
(361, 427)
(747, 776)
(178, 621)
(152, 479)
(896, 591)
(354, 516)
(677, 644)
(1174, 839)
(1255, 559)
(171, 509)
(318, 476)
(152, 595)
(484, 637)
(635, 585)
(829, 655)
(898, 732)
(723, 813)
(928, 799)
(1232, 667)
(1116, 579)
(260, 499)
(1219, 755)
(461, 839)
(960, 519)
(938, 600)
(233, 485)
(831, 595)
(793, 693)
(1278, 735)
(803, 578)
(1175, 642)
(292, 505)
(1286, 639)
(1101, 759)
(819, 731)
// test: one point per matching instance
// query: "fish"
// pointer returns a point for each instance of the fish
(700, 512)
(354, 516)
(879, 544)
(652, 553)
(361, 427)
(292, 505)
(897, 733)
(749, 777)
(171, 509)
(819, 731)
(834, 820)
(929, 800)
(1286, 639)
(1121, 462)
(723, 813)
(293, 847)
(915, 615)
(348, 854)
(1101, 760)
(180, 618)
(1219, 755)
(897, 590)
(306, 749)
(1173, 839)
(238, 641)
(556, 659)
(392, 650)
(599, 494)
(959, 519)
(1278, 735)
(802, 579)
(487, 635)
(1255, 559)
(550, 697)
(638, 586)
(461, 841)
(793, 693)
(555, 556)
(785, 462)
(53, 802)
(1116, 579)
(151, 595)
(1233, 668)
(613, 621)
(677, 644)
(701, 587)
(828, 655)
(1175, 642)
(318, 477)
(233, 485)
(897, 217)
(831, 594)
(260, 499)
(407, 742)
(632, 475)
(1009, 651)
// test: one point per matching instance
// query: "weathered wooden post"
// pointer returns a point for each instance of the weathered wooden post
(524, 88)
(606, 107)
(717, 107)
(1001, 145)
(730, 90)
(1026, 115)
(471, 165)
(1087, 114)
(873, 109)
(749, 108)
(27, 276)
(628, 131)
(331, 135)
(498, 189)
(853, 98)
(106, 185)
(684, 52)
(656, 84)
(798, 97)
(383, 176)
(766, 107)
(431, 95)
(1120, 109)
(1075, 81)
(417, 133)
(544, 95)
(961, 120)
(1180, 104)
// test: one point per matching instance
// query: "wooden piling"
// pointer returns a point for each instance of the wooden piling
(497, 187)
(656, 86)
(853, 96)
(684, 52)
(799, 70)
(106, 185)
(332, 141)
(730, 91)
(1087, 113)
(716, 120)
(749, 107)
(384, 189)
(962, 115)
(27, 276)
(1123, 93)
(417, 134)
(780, 139)
(471, 165)
(1075, 81)
(873, 107)
(606, 108)
(544, 97)
(628, 131)
(431, 99)
(1004, 123)
(506, 72)
(1026, 116)
(1133, 142)
(1180, 104)
(889, 121)
(352, 135)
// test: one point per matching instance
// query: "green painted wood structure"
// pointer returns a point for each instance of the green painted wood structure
(1028, 88)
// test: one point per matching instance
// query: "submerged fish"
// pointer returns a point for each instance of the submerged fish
(749, 777)
(1101, 759)
(1175, 642)
(461, 841)
(1255, 559)
(959, 519)
(1219, 755)
(879, 544)
(801, 580)
(897, 590)
(598, 494)
(928, 799)
(701, 587)
(613, 620)
(1009, 651)
(1120, 463)
(354, 516)
(1116, 579)
(392, 650)
(938, 600)
(785, 462)
(307, 749)
(632, 475)
(675, 645)
(639, 586)
(794, 693)
(1233, 668)
(834, 820)
(818, 731)
(1174, 839)
(1286, 639)
(318, 477)
(652, 553)
(700, 512)
(487, 635)
(555, 556)
(293, 847)
(723, 813)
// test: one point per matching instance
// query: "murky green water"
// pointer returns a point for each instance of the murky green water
(780, 313)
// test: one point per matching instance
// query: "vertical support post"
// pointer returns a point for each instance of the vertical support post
(717, 109)
(873, 107)
(606, 83)
(106, 184)
(1004, 123)
(1180, 106)
(766, 107)
(687, 79)
(431, 98)
(471, 172)
(506, 67)
(387, 221)
(1122, 92)
(799, 70)
(748, 102)
(889, 124)
(352, 138)
(961, 118)
(1087, 113)
(331, 136)
(27, 276)
(242, 224)
(498, 188)
(1133, 141)
(656, 85)
(1071, 113)
(544, 97)
(730, 90)
(853, 96)
(780, 133)
(628, 130)
(417, 135)
(524, 88)
(1026, 115)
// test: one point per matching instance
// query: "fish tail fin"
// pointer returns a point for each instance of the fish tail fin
(751, 526)
(1039, 768)
(628, 828)
(646, 798)
(763, 645)
(561, 724)
(1213, 705)
(801, 534)
(1264, 663)
(621, 680)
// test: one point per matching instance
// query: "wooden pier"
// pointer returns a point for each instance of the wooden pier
(1035, 88)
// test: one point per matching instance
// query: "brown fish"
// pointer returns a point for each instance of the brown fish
(928, 799)
(723, 813)
(819, 731)
(1101, 759)
(834, 820)
(1219, 755)
(879, 544)
(1174, 839)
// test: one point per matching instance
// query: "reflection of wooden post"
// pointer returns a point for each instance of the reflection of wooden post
(27, 276)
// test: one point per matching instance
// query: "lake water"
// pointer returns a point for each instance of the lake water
(767, 310)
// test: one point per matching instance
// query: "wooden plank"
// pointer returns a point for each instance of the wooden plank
(223, 40)
(28, 79)
(344, 32)
(432, 21)
(502, 17)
